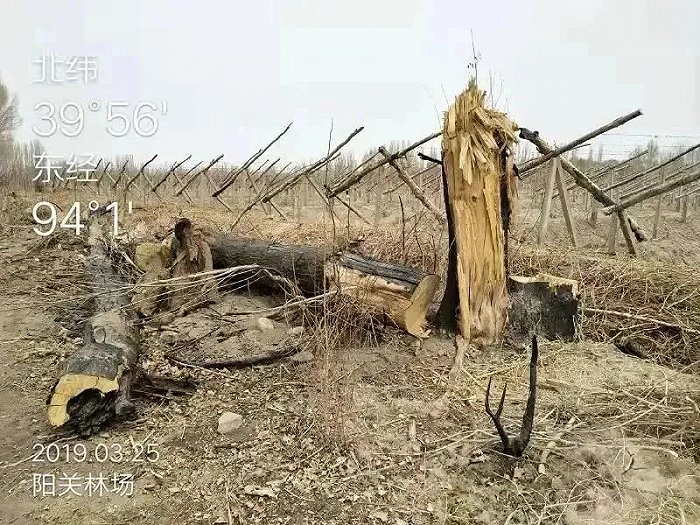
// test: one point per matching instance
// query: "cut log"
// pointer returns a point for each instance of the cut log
(544, 303)
(402, 294)
(480, 187)
(94, 385)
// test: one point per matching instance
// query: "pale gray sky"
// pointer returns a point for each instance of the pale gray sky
(234, 73)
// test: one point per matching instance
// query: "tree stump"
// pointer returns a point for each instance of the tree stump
(480, 190)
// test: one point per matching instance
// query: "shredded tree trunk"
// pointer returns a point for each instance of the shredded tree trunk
(480, 188)
(94, 384)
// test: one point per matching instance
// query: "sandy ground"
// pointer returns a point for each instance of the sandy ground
(370, 433)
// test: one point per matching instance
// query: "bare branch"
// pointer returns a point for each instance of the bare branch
(515, 446)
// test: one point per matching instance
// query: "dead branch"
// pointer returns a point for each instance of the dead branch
(104, 171)
(341, 200)
(307, 171)
(175, 166)
(119, 176)
(653, 168)
(232, 176)
(354, 178)
(413, 177)
(515, 446)
(644, 185)
(423, 156)
(642, 318)
(652, 192)
(140, 172)
(239, 362)
(417, 192)
(197, 174)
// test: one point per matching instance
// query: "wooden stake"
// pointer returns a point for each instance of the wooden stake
(612, 235)
(408, 181)
(585, 183)
(529, 165)
(547, 204)
(657, 214)
(355, 177)
(684, 209)
(232, 176)
(653, 168)
(564, 200)
(652, 192)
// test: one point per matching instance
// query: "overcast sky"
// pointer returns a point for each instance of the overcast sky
(234, 73)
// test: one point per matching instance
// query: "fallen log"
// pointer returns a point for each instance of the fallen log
(302, 265)
(95, 382)
(402, 294)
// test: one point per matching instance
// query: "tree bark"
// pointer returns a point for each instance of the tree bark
(543, 305)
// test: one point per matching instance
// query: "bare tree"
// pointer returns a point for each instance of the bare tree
(9, 121)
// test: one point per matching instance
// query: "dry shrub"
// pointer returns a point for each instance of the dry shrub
(664, 300)
(332, 326)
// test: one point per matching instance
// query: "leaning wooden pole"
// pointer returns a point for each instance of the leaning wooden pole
(417, 192)
(532, 164)
(480, 189)
(627, 224)
(95, 381)
(652, 192)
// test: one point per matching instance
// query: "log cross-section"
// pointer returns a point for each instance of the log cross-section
(402, 294)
